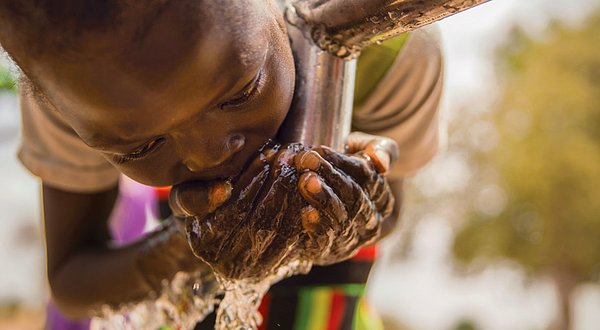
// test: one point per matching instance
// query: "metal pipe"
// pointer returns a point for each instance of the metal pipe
(326, 38)
(321, 111)
(344, 27)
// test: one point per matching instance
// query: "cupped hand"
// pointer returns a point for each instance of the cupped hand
(164, 252)
(247, 226)
(290, 202)
(348, 195)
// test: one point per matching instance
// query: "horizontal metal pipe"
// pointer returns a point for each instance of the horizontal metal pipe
(344, 27)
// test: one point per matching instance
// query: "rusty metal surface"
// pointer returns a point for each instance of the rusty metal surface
(344, 27)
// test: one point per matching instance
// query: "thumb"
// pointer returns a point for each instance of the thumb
(381, 150)
(198, 198)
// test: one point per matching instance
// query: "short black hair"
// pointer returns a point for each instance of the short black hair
(60, 25)
(40, 23)
(65, 14)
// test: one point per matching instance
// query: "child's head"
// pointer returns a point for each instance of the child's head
(168, 90)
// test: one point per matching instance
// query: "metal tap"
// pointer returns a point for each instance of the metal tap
(327, 37)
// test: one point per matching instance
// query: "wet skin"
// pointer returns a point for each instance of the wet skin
(181, 104)
(250, 226)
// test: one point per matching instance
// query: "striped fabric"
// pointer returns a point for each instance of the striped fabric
(331, 307)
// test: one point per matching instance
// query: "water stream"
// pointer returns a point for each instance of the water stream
(182, 302)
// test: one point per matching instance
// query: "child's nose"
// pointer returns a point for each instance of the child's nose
(203, 157)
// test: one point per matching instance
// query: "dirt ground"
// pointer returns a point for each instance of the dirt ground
(21, 319)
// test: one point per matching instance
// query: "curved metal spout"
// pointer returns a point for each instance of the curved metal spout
(344, 27)
(326, 37)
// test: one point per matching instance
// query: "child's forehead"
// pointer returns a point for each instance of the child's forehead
(227, 31)
(145, 85)
(175, 41)
(188, 65)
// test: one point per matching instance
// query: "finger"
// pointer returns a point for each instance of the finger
(358, 141)
(380, 158)
(384, 198)
(318, 194)
(274, 220)
(320, 237)
(253, 175)
(382, 150)
(361, 202)
(281, 164)
(358, 167)
(198, 198)
(271, 198)
(279, 198)
(345, 186)
(352, 168)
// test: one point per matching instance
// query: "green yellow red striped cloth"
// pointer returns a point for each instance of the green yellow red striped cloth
(328, 307)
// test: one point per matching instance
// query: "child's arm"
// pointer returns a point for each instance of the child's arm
(85, 272)
(79, 191)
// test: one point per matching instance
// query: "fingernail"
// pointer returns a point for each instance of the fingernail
(379, 158)
(219, 193)
(384, 159)
(175, 204)
(310, 161)
(310, 216)
(313, 184)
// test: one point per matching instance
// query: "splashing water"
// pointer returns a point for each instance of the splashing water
(239, 308)
(189, 298)
(182, 302)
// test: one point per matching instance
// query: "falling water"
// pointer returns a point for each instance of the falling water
(189, 298)
(182, 302)
(239, 308)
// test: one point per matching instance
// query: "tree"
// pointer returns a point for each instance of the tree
(7, 79)
(548, 162)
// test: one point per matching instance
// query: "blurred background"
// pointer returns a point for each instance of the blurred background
(500, 231)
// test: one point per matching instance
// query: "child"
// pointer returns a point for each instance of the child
(165, 92)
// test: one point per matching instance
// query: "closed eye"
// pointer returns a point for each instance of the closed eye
(140, 152)
(246, 94)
